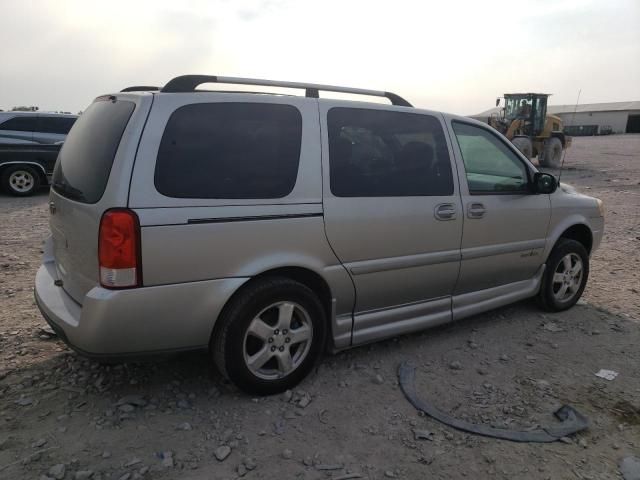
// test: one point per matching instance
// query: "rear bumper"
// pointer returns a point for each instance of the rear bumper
(136, 322)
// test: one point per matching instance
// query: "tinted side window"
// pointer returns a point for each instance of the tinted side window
(60, 125)
(380, 153)
(230, 150)
(84, 162)
(491, 167)
(20, 124)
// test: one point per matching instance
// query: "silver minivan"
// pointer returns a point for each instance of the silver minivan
(269, 228)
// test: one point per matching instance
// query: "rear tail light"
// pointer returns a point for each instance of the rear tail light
(119, 249)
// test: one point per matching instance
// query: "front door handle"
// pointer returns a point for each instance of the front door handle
(476, 210)
(445, 211)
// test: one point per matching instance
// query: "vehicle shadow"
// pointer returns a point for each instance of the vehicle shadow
(194, 373)
(513, 362)
(42, 191)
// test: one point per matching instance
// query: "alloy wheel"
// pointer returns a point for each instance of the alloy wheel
(567, 277)
(21, 181)
(278, 340)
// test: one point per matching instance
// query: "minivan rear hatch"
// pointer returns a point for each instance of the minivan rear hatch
(97, 153)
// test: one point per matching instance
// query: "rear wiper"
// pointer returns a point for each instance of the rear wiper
(69, 191)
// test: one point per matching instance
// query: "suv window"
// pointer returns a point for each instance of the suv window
(60, 125)
(84, 162)
(491, 166)
(380, 153)
(20, 124)
(230, 150)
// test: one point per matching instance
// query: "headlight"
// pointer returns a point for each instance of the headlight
(600, 207)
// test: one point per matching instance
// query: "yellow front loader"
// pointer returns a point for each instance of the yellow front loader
(524, 121)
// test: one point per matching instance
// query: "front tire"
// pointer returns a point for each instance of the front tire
(524, 145)
(269, 337)
(20, 180)
(565, 276)
(551, 153)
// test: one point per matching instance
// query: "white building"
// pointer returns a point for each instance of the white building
(591, 118)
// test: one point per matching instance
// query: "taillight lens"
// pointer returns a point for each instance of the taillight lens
(119, 249)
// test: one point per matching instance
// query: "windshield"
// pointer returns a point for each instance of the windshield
(85, 160)
(518, 107)
(529, 108)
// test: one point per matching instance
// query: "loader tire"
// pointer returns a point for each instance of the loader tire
(524, 145)
(551, 153)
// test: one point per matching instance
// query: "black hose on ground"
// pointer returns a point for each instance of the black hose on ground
(572, 420)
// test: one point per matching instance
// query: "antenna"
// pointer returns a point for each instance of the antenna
(573, 118)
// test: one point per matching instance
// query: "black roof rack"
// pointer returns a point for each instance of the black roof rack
(188, 83)
(140, 88)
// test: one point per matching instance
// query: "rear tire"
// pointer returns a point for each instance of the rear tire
(20, 180)
(269, 337)
(524, 145)
(551, 153)
(565, 276)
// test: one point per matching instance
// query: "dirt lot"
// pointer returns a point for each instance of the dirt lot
(66, 417)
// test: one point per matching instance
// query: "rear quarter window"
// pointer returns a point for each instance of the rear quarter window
(230, 150)
(84, 162)
(20, 124)
(59, 125)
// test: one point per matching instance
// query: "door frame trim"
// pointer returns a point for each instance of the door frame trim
(472, 303)
(502, 248)
(364, 267)
(374, 325)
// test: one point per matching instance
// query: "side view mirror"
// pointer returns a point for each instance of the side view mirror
(544, 183)
(497, 101)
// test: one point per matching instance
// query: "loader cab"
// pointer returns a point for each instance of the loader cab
(530, 107)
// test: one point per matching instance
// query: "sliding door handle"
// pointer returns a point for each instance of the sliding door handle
(445, 211)
(476, 210)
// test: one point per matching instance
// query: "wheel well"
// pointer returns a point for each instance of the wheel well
(3, 167)
(303, 275)
(559, 135)
(43, 177)
(579, 233)
(41, 174)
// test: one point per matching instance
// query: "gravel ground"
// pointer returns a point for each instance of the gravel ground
(62, 416)
(609, 168)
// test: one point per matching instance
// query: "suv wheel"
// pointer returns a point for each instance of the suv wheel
(269, 337)
(565, 276)
(20, 180)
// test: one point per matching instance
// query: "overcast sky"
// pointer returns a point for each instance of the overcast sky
(455, 56)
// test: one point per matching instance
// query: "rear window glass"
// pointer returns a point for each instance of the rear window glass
(20, 124)
(230, 150)
(85, 160)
